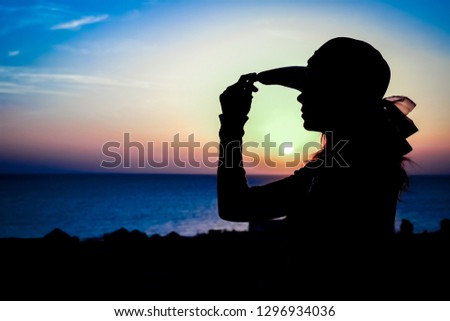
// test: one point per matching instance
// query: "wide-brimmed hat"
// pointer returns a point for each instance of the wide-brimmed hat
(355, 65)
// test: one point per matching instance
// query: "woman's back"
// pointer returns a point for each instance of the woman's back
(349, 191)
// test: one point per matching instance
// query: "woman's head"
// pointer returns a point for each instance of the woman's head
(345, 80)
(342, 90)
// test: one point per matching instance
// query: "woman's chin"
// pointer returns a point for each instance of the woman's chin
(308, 125)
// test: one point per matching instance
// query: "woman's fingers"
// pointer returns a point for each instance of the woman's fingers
(247, 77)
(247, 81)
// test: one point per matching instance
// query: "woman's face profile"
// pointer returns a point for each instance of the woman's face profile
(342, 81)
(319, 97)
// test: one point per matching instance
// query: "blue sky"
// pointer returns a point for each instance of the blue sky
(77, 74)
(30, 29)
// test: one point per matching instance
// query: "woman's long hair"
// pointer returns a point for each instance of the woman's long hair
(397, 163)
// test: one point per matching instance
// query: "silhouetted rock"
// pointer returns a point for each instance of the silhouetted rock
(136, 235)
(445, 227)
(406, 228)
(59, 236)
(119, 235)
(215, 232)
(173, 236)
(123, 236)
(126, 265)
(155, 237)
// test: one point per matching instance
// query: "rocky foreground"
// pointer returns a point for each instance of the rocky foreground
(221, 265)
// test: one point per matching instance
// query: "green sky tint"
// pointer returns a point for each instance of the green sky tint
(157, 71)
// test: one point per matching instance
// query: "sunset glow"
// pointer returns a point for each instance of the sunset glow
(75, 76)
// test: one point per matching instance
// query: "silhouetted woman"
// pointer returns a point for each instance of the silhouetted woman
(348, 192)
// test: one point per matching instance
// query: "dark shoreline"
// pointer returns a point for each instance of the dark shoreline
(222, 265)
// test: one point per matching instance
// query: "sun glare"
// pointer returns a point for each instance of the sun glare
(288, 150)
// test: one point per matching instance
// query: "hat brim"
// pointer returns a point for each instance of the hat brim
(292, 77)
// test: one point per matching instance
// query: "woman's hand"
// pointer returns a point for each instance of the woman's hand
(236, 100)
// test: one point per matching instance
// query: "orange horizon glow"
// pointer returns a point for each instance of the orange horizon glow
(156, 78)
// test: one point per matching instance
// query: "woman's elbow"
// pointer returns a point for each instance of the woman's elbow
(232, 214)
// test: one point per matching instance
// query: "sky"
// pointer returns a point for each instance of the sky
(132, 86)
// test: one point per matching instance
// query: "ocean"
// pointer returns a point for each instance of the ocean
(91, 205)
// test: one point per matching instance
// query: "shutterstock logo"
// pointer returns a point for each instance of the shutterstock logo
(189, 152)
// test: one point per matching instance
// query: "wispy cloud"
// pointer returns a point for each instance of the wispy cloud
(11, 88)
(14, 53)
(19, 17)
(78, 79)
(77, 24)
(73, 49)
(20, 81)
